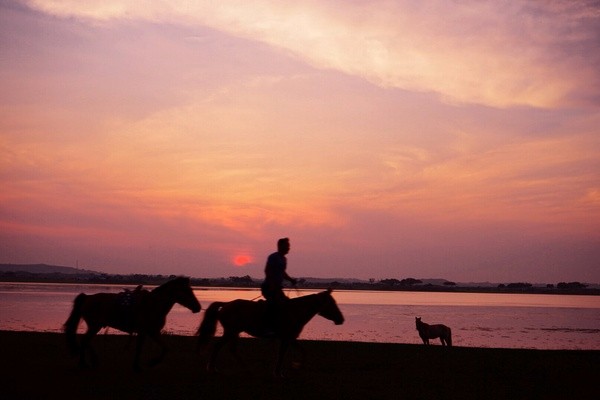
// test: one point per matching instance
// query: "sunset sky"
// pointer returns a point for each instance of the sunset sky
(386, 139)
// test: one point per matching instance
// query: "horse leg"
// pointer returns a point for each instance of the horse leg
(282, 350)
(138, 351)
(210, 367)
(128, 344)
(163, 350)
(86, 345)
(302, 351)
(446, 340)
(233, 346)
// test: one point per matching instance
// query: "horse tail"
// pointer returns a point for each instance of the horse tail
(208, 327)
(70, 327)
(449, 339)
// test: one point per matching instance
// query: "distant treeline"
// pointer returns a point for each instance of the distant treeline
(393, 284)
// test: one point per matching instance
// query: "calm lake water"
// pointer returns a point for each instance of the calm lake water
(477, 320)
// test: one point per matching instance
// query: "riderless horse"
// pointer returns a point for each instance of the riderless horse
(140, 312)
(427, 332)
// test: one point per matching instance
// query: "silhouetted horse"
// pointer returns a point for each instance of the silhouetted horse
(427, 332)
(248, 316)
(140, 311)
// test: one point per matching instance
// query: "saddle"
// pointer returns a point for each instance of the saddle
(127, 302)
(271, 317)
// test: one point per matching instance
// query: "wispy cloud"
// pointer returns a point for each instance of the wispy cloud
(497, 53)
(150, 135)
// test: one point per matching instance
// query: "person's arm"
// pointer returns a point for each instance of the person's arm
(293, 281)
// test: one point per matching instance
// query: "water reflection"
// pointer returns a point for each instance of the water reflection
(477, 320)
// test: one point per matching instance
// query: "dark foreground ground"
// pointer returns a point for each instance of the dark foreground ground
(36, 366)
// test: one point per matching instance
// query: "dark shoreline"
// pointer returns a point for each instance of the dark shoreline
(44, 273)
(217, 283)
(36, 366)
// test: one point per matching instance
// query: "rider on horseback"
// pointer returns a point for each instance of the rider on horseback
(272, 286)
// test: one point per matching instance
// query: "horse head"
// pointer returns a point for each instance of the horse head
(418, 322)
(329, 308)
(184, 295)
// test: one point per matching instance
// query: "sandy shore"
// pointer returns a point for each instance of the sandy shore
(37, 366)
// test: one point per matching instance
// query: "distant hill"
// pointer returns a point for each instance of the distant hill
(327, 280)
(44, 269)
(56, 273)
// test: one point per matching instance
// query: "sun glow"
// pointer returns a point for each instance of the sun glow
(242, 260)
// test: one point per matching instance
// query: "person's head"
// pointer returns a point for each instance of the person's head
(283, 245)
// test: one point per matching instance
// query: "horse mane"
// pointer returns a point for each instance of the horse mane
(309, 298)
(301, 299)
(179, 281)
(312, 296)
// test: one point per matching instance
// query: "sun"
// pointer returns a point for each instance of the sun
(241, 260)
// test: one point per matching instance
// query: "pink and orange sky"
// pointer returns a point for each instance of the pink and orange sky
(387, 139)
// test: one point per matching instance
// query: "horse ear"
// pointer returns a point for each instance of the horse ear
(329, 290)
